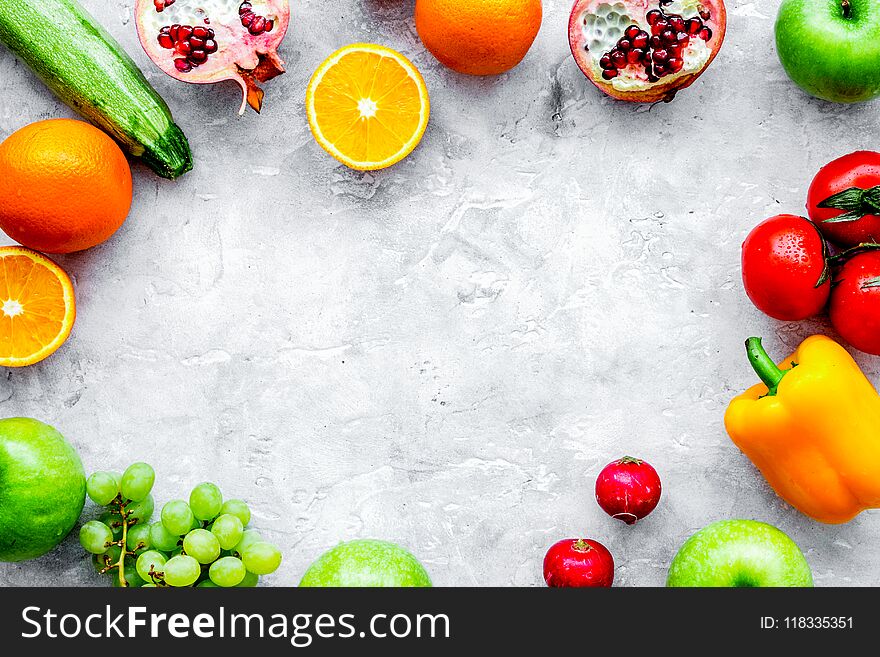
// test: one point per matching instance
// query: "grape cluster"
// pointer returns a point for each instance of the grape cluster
(204, 542)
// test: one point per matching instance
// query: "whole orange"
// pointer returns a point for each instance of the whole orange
(478, 37)
(64, 186)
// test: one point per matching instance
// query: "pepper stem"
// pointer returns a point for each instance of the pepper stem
(764, 366)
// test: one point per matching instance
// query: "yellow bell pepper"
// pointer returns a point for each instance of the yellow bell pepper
(812, 428)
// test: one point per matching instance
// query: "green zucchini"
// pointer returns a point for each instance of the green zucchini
(87, 69)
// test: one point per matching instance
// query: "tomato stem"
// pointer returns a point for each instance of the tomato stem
(764, 367)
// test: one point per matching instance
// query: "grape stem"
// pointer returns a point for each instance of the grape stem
(123, 543)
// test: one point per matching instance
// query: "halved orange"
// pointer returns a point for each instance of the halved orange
(37, 306)
(368, 106)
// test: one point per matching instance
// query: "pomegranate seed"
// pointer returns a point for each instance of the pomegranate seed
(244, 7)
(257, 26)
(182, 65)
(269, 25)
(704, 14)
(198, 57)
(183, 48)
(248, 18)
(200, 32)
(196, 42)
(184, 33)
(659, 53)
(210, 33)
(174, 30)
(210, 46)
(165, 40)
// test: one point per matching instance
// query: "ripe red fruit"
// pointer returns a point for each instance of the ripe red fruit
(785, 269)
(628, 489)
(578, 562)
(844, 199)
(213, 40)
(855, 302)
(640, 50)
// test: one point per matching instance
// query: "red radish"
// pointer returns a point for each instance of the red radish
(578, 562)
(628, 489)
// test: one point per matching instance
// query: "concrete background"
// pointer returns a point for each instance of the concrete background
(445, 354)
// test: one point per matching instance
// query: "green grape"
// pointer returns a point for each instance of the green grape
(228, 530)
(261, 558)
(137, 482)
(95, 537)
(206, 584)
(202, 545)
(102, 488)
(177, 517)
(161, 538)
(113, 521)
(248, 537)
(138, 538)
(206, 500)
(250, 581)
(182, 570)
(109, 558)
(150, 559)
(142, 511)
(227, 571)
(237, 508)
(132, 579)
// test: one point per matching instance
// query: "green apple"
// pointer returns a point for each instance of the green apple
(42, 488)
(831, 48)
(742, 553)
(366, 563)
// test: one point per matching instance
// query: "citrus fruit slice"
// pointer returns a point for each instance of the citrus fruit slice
(37, 306)
(368, 106)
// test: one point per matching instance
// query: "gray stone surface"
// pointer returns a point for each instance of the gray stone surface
(446, 353)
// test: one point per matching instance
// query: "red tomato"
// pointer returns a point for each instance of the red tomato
(856, 171)
(784, 268)
(578, 562)
(855, 302)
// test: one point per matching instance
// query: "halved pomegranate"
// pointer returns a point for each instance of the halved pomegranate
(645, 50)
(205, 41)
